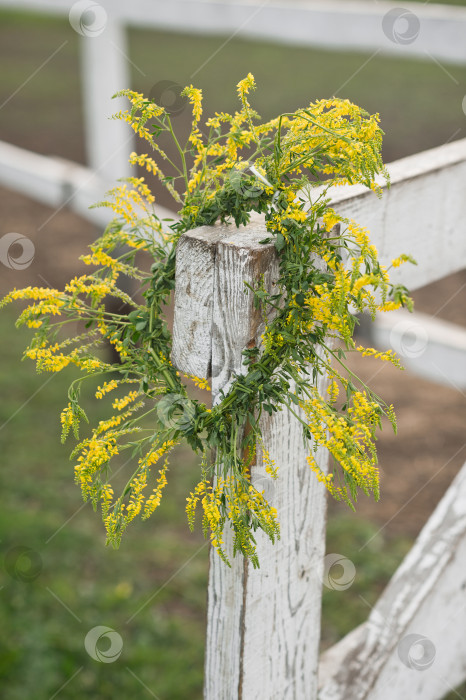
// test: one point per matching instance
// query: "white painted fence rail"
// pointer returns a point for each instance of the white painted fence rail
(58, 183)
(264, 625)
(359, 25)
(430, 347)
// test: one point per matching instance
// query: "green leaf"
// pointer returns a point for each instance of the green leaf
(300, 299)
(280, 242)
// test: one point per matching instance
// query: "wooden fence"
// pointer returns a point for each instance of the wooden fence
(263, 627)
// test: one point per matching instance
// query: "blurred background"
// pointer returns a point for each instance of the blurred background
(60, 63)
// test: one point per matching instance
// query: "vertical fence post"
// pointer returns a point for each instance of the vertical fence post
(104, 71)
(263, 625)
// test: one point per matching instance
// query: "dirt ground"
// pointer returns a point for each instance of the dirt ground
(417, 465)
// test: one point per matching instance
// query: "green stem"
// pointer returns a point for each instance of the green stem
(180, 151)
(164, 371)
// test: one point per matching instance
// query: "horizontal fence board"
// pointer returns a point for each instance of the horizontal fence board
(425, 31)
(429, 347)
(422, 214)
(58, 183)
(413, 644)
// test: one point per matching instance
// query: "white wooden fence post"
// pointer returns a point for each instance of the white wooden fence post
(105, 71)
(263, 625)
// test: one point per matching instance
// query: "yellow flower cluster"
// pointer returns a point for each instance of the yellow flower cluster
(67, 419)
(156, 496)
(122, 514)
(390, 306)
(145, 161)
(35, 293)
(200, 382)
(270, 467)
(89, 286)
(333, 391)
(120, 404)
(385, 356)
(96, 453)
(106, 388)
(236, 501)
(330, 219)
(402, 259)
(195, 97)
(349, 439)
(245, 86)
(115, 421)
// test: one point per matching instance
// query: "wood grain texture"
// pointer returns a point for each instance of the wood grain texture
(192, 323)
(197, 272)
(263, 625)
(236, 323)
(427, 598)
